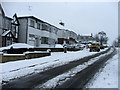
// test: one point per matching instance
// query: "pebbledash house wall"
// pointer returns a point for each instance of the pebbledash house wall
(22, 34)
(64, 34)
(25, 30)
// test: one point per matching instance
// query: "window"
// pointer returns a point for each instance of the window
(44, 40)
(32, 23)
(38, 25)
(31, 35)
(44, 27)
(49, 29)
(56, 31)
(52, 30)
(51, 41)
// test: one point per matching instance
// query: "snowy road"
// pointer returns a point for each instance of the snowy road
(107, 77)
(38, 78)
(81, 78)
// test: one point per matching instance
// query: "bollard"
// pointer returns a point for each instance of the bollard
(65, 49)
(1, 56)
(26, 56)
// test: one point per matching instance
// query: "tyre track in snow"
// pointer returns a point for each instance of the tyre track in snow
(33, 80)
(82, 77)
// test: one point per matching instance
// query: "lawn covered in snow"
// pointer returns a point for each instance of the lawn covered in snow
(107, 77)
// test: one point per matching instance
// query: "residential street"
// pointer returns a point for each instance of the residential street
(38, 80)
(59, 44)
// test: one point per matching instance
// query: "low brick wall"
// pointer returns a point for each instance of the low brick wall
(36, 55)
(11, 57)
(16, 57)
(58, 49)
(1, 54)
(52, 49)
(74, 49)
(30, 55)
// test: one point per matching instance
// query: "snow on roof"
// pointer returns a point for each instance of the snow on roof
(60, 26)
(17, 45)
(45, 21)
(85, 34)
(5, 33)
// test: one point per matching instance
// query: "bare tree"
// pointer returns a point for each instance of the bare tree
(102, 38)
(96, 38)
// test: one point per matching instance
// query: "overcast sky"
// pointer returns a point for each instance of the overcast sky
(80, 17)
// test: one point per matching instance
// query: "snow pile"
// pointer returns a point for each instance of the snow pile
(58, 46)
(106, 77)
(15, 69)
(17, 45)
(14, 54)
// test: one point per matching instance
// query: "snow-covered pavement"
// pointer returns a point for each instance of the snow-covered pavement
(107, 77)
(15, 69)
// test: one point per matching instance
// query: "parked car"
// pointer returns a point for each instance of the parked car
(95, 47)
(17, 48)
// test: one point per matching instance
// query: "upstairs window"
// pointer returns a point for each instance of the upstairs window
(44, 27)
(32, 23)
(38, 25)
(56, 31)
(49, 29)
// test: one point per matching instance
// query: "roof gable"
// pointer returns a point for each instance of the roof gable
(15, 20)
(2, 10)
(6, 33)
